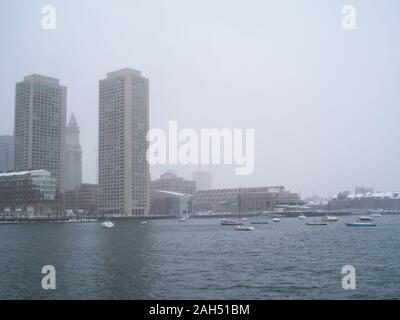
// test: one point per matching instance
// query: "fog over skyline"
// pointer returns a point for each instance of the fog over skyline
(324, 102)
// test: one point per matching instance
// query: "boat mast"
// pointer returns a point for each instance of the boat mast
(239, 204)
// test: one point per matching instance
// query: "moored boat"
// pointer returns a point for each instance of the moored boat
(302, 217)
(365, 218)
(107, 224)
(375, 215)
(243, 228)
(329, 219)
(226, 222)
(360, 224)
(316, 223)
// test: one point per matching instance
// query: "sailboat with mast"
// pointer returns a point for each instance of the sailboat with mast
(241, 227)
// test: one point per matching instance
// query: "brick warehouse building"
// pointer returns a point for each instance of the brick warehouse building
(29, 194)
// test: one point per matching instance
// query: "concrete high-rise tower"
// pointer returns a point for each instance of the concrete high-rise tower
(73, 155)
(6, 153)
(39, 129)
(123, 125)
(203, 180)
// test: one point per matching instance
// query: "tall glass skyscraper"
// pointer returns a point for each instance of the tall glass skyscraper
(40, 117)
(123, 125)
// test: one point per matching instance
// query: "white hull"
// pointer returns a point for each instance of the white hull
(376, 215)
(243, 228)
(107, 224)
(329, 219)
(365, 218)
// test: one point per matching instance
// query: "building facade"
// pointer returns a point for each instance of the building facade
(83, 198)
(6, 153)
(123, 126)
(73, 155)
(169, 203)
(169, 181)
(365, 201)
(40, 117)
(28, 194)
(252, 199)
(203, 180)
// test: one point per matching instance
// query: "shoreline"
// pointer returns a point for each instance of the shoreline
(96, 219)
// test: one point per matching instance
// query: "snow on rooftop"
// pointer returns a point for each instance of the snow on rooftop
(177, 194)
(376, 195)
(22, 173)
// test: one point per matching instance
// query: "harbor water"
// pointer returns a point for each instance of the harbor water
(200, 259)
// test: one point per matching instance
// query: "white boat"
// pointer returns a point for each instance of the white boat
(276, 220)
(365, 218)
(183, 219)
(107, 224)
(329, 219)
(375, 215)
(144, 222)
(302, 217)
(243, 228)
(360, 224)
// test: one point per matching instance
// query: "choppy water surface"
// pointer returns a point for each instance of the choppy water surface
(200, 259)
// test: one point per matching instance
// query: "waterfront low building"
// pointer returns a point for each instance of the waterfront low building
(169, 203)
(83, 199)
(365, 201)
(169, 181)
(29, 194)
(254, 199)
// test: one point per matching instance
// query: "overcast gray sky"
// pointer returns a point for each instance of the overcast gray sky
(324, 102)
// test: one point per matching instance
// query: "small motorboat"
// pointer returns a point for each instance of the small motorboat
(183, 219)
(276, 220)
(329, 219)
(226, 222)
(375, 215)
(107, 224)
(243, 228)
(366, 218)
(360, 224)
(316, 223)
(302, 217)
(144, 222)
